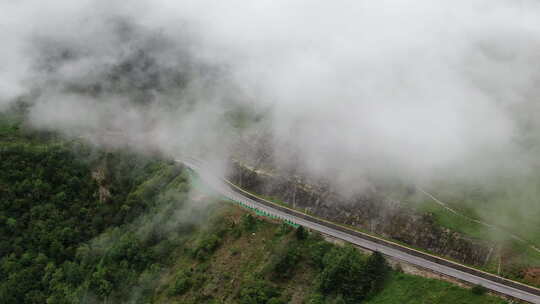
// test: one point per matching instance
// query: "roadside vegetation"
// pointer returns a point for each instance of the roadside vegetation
(258, 260)
(410, 289)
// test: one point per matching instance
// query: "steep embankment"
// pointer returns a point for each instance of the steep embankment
(372, 212)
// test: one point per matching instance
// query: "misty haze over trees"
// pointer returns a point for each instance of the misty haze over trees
(365, 99)
(85, 225)
(395, 89)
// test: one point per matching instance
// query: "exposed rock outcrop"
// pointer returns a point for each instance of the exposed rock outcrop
(99, 175)
(532, 275)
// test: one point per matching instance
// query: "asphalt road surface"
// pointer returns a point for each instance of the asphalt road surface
(234, 193)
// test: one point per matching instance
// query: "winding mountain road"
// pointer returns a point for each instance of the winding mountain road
(391, 249)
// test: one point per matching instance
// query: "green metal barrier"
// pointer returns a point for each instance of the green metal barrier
(258, 212)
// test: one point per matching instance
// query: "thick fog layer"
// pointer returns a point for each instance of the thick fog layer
(401, 88)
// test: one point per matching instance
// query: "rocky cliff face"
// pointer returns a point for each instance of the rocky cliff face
(370, 211)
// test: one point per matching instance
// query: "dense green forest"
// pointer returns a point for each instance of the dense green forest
(56, 198)
(84, 225)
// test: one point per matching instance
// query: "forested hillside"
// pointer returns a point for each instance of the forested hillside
(83, 225)
(71, 217)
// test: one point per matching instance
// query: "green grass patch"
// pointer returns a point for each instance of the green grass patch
(408, 289)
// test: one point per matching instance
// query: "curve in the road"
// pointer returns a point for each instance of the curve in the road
(437, 264)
